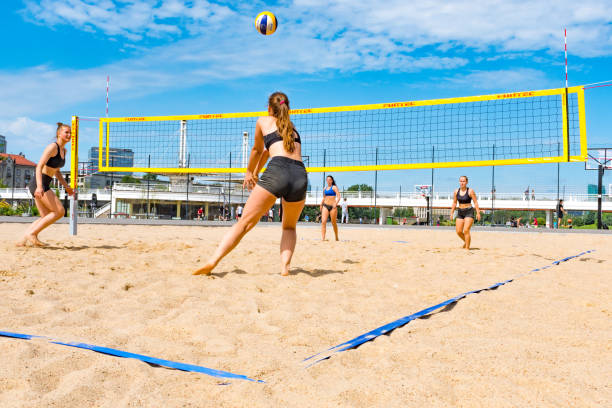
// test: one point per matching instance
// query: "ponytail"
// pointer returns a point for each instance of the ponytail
(279, 104)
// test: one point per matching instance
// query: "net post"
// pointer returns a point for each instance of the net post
(566, 141)
(148, 191)
(74, 174)
(600, 173)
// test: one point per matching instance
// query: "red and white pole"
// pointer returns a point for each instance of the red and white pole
(565, 39)
(108, 84)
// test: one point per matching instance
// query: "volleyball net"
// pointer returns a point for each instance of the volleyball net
(542, 126)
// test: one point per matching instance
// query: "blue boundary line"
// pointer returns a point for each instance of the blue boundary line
(146, 359)
(389, 327)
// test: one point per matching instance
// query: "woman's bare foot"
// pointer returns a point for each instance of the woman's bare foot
(205, 270)
(285, 270)
(32, 239)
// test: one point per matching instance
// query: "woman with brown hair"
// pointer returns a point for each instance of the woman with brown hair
(329, 207)
(465, 214)
(49, 165)
(285, 177)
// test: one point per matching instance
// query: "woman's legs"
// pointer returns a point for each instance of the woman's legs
(459, 228)
(466, 231)
(51, 210)
(257, 205)
(291, 214)
(333, 214)
(324, 215)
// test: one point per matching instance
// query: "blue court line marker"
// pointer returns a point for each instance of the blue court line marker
(389, 327)
(146, 359)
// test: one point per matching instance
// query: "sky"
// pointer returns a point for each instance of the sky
(169, 57)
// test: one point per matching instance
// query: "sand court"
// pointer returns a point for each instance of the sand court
(543, 340)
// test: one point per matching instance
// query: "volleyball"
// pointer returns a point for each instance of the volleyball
(266, 23)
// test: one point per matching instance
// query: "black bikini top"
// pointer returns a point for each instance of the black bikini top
(57, 161)
(465, 198)
(274, 137)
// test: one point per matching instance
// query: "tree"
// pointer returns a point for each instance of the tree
(360, 187)
(150, 177)
(130, 180)
(404, 212)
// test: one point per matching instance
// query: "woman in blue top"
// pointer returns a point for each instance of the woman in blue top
(285, 176)
(49, 206)
(329, 206)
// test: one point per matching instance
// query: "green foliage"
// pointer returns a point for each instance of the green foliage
(404, 212)
(590, 218)
(2, 185)
(311, 212)
(24, 208)
(150, 177)
(129, 180)
(360, 187)
(366, 213)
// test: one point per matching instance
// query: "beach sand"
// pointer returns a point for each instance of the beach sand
(543, 340)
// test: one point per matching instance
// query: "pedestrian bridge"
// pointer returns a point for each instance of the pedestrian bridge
(214, 195)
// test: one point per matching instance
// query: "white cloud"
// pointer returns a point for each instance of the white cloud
(131, 19)
(219, 43)
(514, 79)
(517, 25)
(26, 135)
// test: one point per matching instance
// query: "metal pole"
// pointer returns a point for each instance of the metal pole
(13, 183)
(600, 174)
(493, 189)
(110, 210)
(558, 171)
(187, 202)
(375, 181)
(148, 189)
(229, 188)
(433, 157)
(324, 154)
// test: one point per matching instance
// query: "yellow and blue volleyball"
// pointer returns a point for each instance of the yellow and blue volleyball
(266, 23)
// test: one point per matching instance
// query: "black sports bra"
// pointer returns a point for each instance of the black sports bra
(57, 161)
(465, 198)
(274, 137)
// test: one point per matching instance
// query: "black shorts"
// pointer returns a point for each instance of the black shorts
(286, 178)
(46, 181)
(465, 213)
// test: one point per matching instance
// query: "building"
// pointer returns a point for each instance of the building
(2, 144)
(116, 158)
(592, 189)
(15, 170)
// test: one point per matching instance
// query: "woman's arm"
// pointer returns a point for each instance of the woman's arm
(337, 195)
(454, 204)
(47, 153)
(250, 177)
(473, 195)
(60, 178)
(262, 161)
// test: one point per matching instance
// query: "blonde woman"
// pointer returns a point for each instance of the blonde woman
(285, 177)
(49, 165)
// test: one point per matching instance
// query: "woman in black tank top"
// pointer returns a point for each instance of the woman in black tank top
(285, 177)
(49, 206)
(465, 214)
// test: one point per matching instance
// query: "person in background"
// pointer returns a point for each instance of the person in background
(238, 212)
(345, 214)
(462, 199)
(560, 213)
